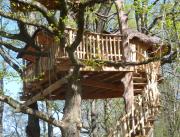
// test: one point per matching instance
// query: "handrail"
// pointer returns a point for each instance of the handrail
(95, 33)
(143, 111)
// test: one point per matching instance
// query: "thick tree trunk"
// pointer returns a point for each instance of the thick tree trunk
(128, 91)
(1, 109)
(72, 110)
(122, 20)
(33, 128)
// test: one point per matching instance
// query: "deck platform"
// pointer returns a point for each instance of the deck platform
(42, 77)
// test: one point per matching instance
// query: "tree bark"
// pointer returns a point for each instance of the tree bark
(127, 79)
(72, 110)
(49, 111)
(94, 117)
(103, 10)
(33, 128)
(128, 91)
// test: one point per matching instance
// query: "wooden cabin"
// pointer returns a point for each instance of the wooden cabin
(99, 81)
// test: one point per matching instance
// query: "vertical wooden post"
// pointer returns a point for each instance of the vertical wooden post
(87, 45)
(90, 47)
(98, 47)
(119, 48)
(111, 57)
(102, 46)
(94, 46)
(115, 47)
(84, 47)
(107, 52)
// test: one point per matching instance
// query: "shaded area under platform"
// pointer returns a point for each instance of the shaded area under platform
(95, 85)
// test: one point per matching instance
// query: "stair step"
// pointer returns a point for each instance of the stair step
(139, 83)
(138, 91)
(139, 78)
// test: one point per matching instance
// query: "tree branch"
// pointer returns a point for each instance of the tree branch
(17, 18)
(26, 110)
(10, 36)
(10, 61)
(166, 59)
(39, 7)
(156, 19)
(21, 50)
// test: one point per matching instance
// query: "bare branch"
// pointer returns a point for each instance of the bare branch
(165, 59)
(26, 110)
(158, 18)
(10, 61)
(39, 7)
(10, 36)
(17, 18)
(21, 50)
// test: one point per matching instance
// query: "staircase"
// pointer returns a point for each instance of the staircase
(139, 122)
(139, 82)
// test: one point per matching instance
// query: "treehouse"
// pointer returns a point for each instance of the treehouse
(99, 53)
(113, 65)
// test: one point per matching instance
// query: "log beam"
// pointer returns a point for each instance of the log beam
(46, 92)
(103, 85)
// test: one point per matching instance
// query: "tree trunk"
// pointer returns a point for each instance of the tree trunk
(93, 119)
(103, 10)
(122, 20)
(128, 91)
(72, 110)
(33, 128)
(49, 111)
(1, 109)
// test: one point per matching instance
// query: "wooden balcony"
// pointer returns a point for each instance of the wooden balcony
(98, 80)
(94, 46)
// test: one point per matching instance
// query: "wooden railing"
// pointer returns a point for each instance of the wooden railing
(139, 121)
(136, 122)
(93, 46)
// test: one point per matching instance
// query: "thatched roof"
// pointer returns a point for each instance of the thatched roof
(131, 34)
(153, 42)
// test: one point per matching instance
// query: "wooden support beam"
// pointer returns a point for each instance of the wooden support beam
(114, 76)
(46, 91)
(103, 85)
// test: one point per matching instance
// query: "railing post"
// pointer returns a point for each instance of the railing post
(87, 45)
(115, 47)
(94, 46)
(98, 47)
(111, 57)
(107, 51)
(119, 48)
